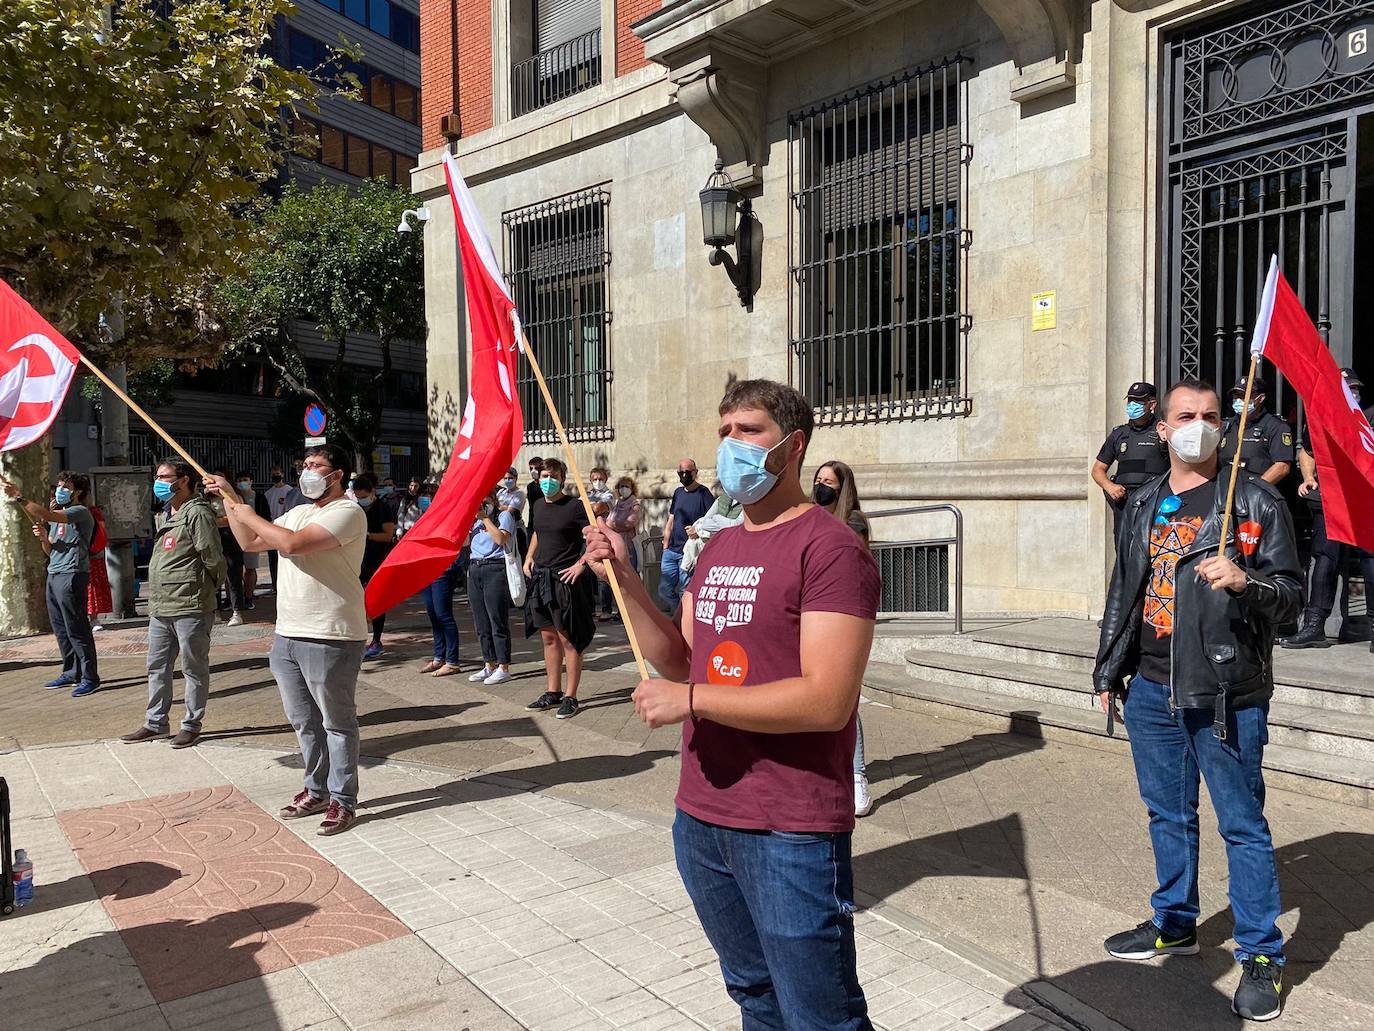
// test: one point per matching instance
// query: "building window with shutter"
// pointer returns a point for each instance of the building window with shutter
(878, 188)
(555, 256)
(565, 54)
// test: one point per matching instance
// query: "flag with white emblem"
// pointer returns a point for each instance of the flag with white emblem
(36, 368)
(492, 428)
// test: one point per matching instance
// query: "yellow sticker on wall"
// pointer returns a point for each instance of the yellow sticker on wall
(1042, 311)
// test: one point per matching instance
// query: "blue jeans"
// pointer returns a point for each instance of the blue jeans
(671, 582)
(439, 607)
(1170, 749)
(778, 909)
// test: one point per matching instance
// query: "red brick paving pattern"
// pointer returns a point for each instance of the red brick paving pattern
(208, 890)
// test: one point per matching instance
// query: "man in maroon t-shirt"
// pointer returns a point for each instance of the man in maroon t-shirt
(762, 667)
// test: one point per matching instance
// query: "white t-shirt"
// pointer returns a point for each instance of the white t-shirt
(277, 500)
(320, 595)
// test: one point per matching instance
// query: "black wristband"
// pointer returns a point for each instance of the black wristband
(691, 689)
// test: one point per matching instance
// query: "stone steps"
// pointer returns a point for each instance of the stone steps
(1305, 753)
(1350, 735)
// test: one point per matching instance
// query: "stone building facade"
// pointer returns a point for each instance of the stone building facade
(980, 222)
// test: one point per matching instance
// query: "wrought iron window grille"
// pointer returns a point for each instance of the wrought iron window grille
(556, 255)
(878, 248)
(555, 73)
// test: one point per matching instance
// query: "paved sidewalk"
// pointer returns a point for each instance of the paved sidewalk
(1021, 853)
(168, 899)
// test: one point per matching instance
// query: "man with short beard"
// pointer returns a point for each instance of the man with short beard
(1187, 639)
(321, 627)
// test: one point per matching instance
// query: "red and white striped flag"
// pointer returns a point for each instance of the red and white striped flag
(1342, 441)
(492, 427)
(36, 368)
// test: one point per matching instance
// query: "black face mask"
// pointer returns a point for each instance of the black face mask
(686, 477)
(276, 478)
(824, 495)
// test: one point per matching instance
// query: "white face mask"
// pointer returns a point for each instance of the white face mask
(1196, 442)
(624, 492)
(313, 485)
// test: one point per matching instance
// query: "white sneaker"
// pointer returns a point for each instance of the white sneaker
(236, 619)
(499, 677)
(863, 801)
(480, 675)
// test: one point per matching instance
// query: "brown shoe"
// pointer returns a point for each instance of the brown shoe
(304, 804)
(431, 666)
(143, 734)
(185, 738)
(336, 821)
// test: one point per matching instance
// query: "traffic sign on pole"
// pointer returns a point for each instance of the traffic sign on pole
(315, 420)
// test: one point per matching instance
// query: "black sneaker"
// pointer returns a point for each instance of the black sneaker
(568, 709)
(1147, 941)
(1312, 635)
(1257, 995)
(547, 700)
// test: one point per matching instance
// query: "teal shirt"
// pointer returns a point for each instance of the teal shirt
(71, 541)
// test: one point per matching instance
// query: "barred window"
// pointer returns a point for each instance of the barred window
(878, 256)
(555, 256)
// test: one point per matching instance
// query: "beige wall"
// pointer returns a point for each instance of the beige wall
(1061, 198)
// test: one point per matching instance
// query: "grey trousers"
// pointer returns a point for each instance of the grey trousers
(189, 635)
(318, 681)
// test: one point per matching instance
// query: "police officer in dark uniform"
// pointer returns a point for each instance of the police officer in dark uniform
(1267, 450)
(1329, 558)
(1136, 448)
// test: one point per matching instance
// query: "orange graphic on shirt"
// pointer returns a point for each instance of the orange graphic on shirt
(727, 664)
(1168, 543)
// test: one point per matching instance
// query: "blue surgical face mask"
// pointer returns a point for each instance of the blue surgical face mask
(384, 491)
(550, 486)
(741, 469)
(424, 501)
(365, 502)
(63, 495)
(1135, 410)
(1238, 405)
(162, 490)
(510, 482)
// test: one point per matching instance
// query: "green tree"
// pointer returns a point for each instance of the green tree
(331, 256)
(134, 141)
(132, 145)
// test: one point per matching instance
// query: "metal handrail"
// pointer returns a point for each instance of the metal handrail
(957, 540)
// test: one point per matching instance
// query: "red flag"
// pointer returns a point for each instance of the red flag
(492, 427)
(1342, 441)
(36, 367)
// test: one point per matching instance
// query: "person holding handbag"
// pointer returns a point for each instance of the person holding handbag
(489, 590)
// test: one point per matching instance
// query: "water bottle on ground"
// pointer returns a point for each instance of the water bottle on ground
(23, 878)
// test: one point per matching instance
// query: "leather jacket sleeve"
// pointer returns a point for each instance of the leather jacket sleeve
(1273, 574)
(1117, 646)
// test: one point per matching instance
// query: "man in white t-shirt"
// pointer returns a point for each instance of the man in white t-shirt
(321, 627)
(281, 498)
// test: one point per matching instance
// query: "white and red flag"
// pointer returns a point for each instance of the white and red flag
(1342, 441)
(492, 427)
(36, 368)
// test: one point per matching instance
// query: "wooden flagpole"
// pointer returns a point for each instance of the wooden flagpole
(586, 501)
(152, 424)
(1235, 459)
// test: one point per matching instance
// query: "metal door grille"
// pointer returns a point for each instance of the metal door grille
(556, 256)
(1284, 200)
(915, 576)
(1263, 111)
(878, 254)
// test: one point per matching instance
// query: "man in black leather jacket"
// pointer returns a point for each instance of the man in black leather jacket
(1187, 638)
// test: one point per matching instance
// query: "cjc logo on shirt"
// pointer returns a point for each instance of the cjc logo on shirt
(727, 664)
(1249, 535)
